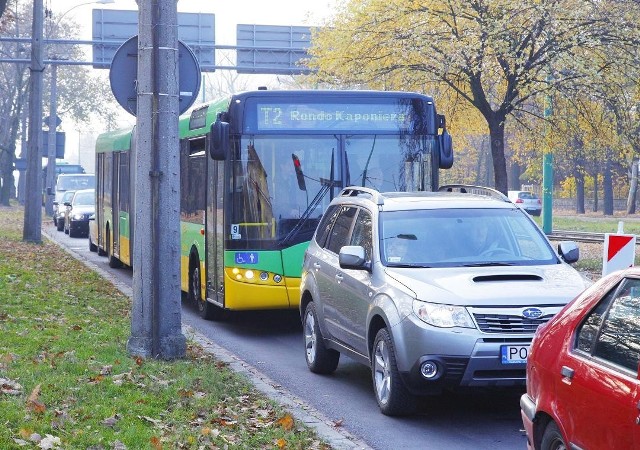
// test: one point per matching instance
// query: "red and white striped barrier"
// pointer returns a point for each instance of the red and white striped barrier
(619, 251)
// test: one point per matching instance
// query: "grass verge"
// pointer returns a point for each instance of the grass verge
(591, 253)
(67, 382)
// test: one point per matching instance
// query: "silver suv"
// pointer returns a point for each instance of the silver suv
(432, 290)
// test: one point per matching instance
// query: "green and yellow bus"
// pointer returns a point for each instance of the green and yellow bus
(257, 171)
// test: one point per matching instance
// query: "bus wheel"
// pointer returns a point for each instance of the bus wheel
(207, 310)
(92, 247)
(114, 262)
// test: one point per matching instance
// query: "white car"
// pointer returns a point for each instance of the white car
(526, 200)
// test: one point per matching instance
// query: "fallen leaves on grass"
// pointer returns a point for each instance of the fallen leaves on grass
(34, 403)
(10, 387)
(111, 421)
(286, 422)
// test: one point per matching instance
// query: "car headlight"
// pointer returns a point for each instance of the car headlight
(443, 316)
(78, 216)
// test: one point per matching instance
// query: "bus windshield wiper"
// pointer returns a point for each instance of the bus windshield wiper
(326, 186)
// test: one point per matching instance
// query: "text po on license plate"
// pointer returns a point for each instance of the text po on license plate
(514, 354)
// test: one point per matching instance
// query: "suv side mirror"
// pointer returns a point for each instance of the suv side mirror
(569, 251)
(353, 257)
(445, 145)
(219, 140)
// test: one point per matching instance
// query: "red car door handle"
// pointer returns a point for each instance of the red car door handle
(567, 372)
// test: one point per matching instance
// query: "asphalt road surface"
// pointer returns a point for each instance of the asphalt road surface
(271, 342)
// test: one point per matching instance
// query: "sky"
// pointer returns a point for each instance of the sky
(227, 15)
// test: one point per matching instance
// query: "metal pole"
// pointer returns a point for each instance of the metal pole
(547, 172)
(51, 144)
(32, 229)
(156, 328)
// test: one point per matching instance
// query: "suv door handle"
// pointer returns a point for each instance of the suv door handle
(339, 277)
(316, 265)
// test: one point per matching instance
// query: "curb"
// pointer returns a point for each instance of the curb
(336, 437)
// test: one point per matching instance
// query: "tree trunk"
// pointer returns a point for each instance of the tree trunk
(480, 152)
(514, 177)
(607, 186)
(496, 132)
(6, 176)
(633, 188)
(579, 175)
(595, 192)
(6, 163)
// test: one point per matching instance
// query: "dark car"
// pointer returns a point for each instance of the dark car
(78, 211)
(583, 388)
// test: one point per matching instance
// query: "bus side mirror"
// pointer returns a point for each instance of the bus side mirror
(219, 140)
(445, 144)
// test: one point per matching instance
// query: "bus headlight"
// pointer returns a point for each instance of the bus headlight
(252, 276)
(443, 316)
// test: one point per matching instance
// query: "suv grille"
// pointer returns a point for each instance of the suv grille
(504, 323)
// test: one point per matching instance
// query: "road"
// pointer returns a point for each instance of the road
(271, 342)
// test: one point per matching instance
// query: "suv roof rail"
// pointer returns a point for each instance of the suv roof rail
(355, 191)
(473, 189)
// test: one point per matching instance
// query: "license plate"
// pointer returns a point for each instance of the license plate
(514, 354)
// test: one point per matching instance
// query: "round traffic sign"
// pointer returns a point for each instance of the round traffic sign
(124, 73)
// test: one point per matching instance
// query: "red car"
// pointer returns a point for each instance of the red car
(583, 389)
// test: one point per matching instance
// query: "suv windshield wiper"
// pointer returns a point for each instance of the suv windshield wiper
(489, 264)
(408, 265)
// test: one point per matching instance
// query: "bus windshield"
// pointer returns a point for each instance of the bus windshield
(278, 180)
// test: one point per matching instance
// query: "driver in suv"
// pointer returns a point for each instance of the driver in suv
(456, 306)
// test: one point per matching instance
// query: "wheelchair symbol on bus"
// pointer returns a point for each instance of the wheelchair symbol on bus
(246, 258)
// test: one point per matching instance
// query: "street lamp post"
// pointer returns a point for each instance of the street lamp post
(53, 117)
(32, 229)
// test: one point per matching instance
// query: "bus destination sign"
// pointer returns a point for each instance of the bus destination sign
(334, 116)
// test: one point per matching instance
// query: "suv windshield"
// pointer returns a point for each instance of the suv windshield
(462, 237)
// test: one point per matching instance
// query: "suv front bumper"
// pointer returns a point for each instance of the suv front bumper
(465, 358)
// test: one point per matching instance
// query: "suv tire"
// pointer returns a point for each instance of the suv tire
(392, 395)
(319, 358)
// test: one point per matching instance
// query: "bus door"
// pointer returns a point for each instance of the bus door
(100, 187)
(214, 235)
(115, 204)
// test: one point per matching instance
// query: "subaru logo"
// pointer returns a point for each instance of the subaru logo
(532, 313)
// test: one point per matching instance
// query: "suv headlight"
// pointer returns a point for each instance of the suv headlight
(443, 316)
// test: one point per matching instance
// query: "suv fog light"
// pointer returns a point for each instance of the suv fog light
(429, 370)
